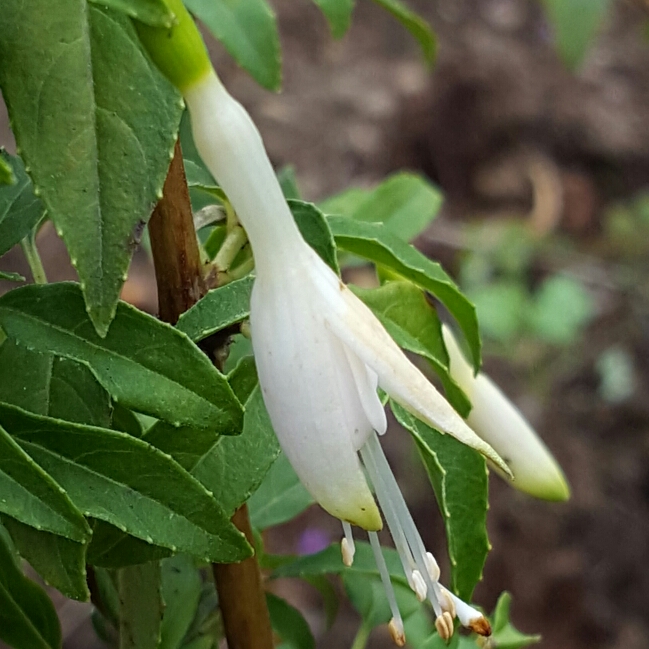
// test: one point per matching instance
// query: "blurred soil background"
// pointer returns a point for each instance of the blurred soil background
(545, 173)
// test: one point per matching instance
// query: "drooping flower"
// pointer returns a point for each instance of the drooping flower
(320, 352)
(499, 423)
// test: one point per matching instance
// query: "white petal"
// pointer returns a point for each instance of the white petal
(502, 425)
(311, 395)
(357, 327)
(367, 382)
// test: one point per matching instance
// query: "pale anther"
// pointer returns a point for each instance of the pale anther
(347, 547)
(446, 601)
(431, 566)
(444, 625)
(397, 633)
(348, 555)
(419, 585)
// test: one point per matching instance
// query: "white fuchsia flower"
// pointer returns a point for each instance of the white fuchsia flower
(321, 354)
(499, 423)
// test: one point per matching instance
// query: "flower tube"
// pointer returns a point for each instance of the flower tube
(320, 352)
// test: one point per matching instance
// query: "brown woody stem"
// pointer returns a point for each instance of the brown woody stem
(178, 268)
(241, 597)
(179, 275)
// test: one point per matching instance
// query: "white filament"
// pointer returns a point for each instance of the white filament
(390, 497)
(385, 578)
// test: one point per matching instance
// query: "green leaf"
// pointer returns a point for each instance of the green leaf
(152, 12)
(7, 176)
(181, 592)
(75, 395)
(345, 203)
(338, 14)
(415, 24)
(219, 308)
(190, 153)
(198, 176)
(367, 594)
(20, 209)
(185, 444)
(144, 364)
(329, 595)
(457, 641)
(112, 548)
(288, 182)
(289, 623)
(99, 151)
(200, 179)
(505, 636)
(203, 642)
(123, 419)
(234, 468)
(460, 479)
(562, 307)
(375, 242)
(25, 377)
(140, 611)
(248, 29)
(11, 277)
(49, 385)
(329, 561)
(33, 497)
(59, 561)
(126, 482)
(501, 307)
(280, 497)
(410, 319)
(406, 203)
(27, 617)
(105, 582)
(575, 24)
(315, 229)
(231, 471)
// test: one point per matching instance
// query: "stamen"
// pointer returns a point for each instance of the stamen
(399, 538)
(347, 547)
(444, 626)
(419, 585)
(396, 633)
(390, 497)
(396, 624)
(432, 566)
(470, 617)
(447, 601)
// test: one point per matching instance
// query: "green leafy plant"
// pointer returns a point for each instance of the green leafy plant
(130, 445)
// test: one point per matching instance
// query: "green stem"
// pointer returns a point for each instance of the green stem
(242, 269)
(234, 241)
(28, 245)
(362, 636)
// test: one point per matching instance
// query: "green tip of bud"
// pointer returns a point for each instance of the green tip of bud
(179, 50)
(555, 490)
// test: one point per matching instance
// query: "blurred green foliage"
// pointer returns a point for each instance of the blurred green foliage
(498, 275)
